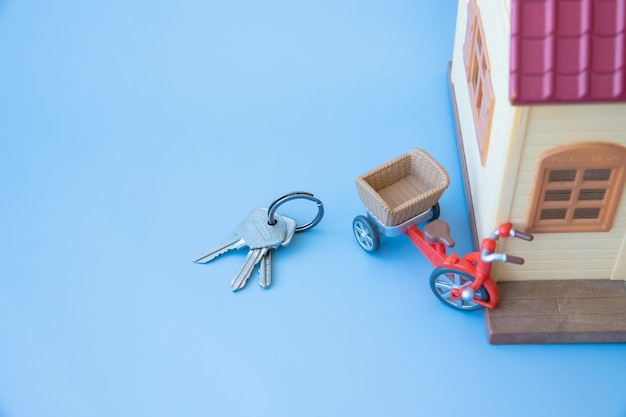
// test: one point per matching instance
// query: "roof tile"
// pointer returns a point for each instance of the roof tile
(570, 19)
(608, 19)
(608, 53)
(536, 86)
(608, 86)
(570, 55)
(538, 59)
(539, 12)
(571, 87)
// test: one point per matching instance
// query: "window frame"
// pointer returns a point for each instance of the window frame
(478, 72)
(576, 202)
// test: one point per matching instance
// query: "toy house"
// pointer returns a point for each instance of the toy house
(540, 91)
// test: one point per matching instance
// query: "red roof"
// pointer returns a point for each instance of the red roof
(568, 51)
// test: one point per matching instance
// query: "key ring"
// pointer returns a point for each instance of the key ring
(294, 196)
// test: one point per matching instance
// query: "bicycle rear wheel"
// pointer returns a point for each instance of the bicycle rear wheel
(366, 234)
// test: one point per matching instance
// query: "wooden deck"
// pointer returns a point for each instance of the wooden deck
(571, 311)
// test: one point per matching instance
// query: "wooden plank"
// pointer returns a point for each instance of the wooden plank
(538, 323)
(546, 329)
(562, 289)
(568, 311)
(526, 307)
(596, 305)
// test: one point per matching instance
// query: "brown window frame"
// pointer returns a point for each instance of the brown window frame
(578, 188)
(478, 71)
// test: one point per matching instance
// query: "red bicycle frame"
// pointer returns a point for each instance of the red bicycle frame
(475, 264)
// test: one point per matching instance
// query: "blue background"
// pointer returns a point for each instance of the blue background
(136, 134)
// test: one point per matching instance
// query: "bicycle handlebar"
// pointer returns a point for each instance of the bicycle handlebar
(487, 257)
(521, 235)
(505, 230)
(514, 260)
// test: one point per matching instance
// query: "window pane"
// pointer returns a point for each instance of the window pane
(597, 174)
(561, 175)
(592, 194)
(557, 195)
(586, 213)
(475, 73)
(553, 214)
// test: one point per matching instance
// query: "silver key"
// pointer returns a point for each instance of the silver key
(265, 267)
(235, 242)
(261, 237)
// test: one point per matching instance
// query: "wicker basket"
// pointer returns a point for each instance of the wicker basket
(403, 187)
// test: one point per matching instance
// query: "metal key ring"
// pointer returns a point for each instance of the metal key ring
(294, 196)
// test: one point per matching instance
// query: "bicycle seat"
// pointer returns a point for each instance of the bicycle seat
(438, 231)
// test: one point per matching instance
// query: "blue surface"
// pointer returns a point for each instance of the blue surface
(134, 135)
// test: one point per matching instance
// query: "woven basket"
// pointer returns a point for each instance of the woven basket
(403, 187)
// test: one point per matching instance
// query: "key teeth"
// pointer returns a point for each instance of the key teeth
(206, 259)
(253, 258)
(230, 245)
(209, 257)
(240, 279)
(263, 280)
(265, 270)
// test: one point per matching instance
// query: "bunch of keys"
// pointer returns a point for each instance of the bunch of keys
(262, 232)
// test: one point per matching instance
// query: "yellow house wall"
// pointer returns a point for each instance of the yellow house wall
(493, 184)
(566, 255)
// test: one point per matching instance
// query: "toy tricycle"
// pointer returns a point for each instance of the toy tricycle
(403, 194)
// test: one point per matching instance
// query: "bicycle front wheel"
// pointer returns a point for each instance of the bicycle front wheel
(452, 287)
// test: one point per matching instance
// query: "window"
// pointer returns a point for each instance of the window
(478, 72)
(578, 188)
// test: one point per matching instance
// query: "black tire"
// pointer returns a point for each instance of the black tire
(446, 281)
(365, 234)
